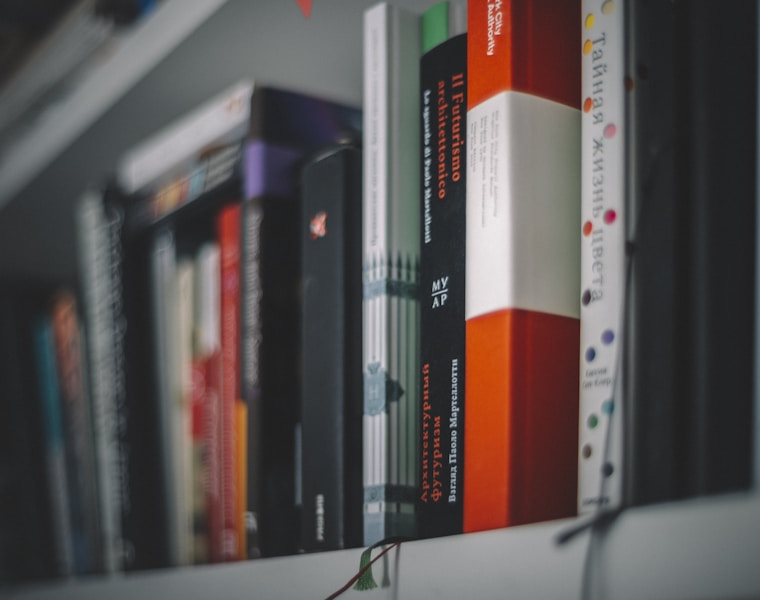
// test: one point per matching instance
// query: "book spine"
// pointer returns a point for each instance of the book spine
(185, 283)
(78, 431)
(522, 251)
(229, 238)
(98, 287)
(391, 215)
(208, 351)
(331, 384)
(271, 324)
(251, 344)
(55, 453)
(443, 92)
(168, 392)
(603, 265)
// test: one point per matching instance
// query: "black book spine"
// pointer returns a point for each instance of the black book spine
(269, 344)
(692, 203)
(331, 344)
(443, 90)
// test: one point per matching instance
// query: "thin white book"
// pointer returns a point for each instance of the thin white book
(391, 231)
(603, 264)
(169, 392)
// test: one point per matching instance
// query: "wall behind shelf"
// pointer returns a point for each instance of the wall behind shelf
(267, 40)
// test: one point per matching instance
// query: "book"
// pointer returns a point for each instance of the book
(391, 233)
(95, 224)
(169, 397)
(331, 342)
(53, 442)
(69, 347)
(286, 127)
(207, 405)
(603, 261)
(443, 106)
(522, 272)
(693, 291)
(229, 232)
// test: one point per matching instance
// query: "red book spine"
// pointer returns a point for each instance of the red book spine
(229, 237)
(523, 262)
(213, 476)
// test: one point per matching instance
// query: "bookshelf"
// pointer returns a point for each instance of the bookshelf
(702, 548)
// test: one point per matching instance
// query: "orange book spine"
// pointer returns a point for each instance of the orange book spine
(523, 262)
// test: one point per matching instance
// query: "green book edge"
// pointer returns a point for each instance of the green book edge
(435, 25)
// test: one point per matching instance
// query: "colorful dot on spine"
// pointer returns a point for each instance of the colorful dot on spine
(592, 421)
(587, 451)
(607, 469)
(590, 354)
(587, 45)
(608, 336)
(610, 131)
(608, 7)
(588, 104)
(610, 216)
(586, 298)
(608, 407)
(588, 227)
(589, 21)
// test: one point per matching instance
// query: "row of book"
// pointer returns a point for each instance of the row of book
(582, 292)
(189, 433)
(302, 326)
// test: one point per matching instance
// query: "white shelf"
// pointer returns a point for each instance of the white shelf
(702, 548)
(130, 57)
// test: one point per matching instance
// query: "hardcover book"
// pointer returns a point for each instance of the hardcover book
(522, 282)
(443, 105)
(391, 215)
(331, 381)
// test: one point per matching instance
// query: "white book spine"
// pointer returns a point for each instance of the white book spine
(165, 329)
(603, 264)
(391, 261)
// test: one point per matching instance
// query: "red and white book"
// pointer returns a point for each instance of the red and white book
(522, 299)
